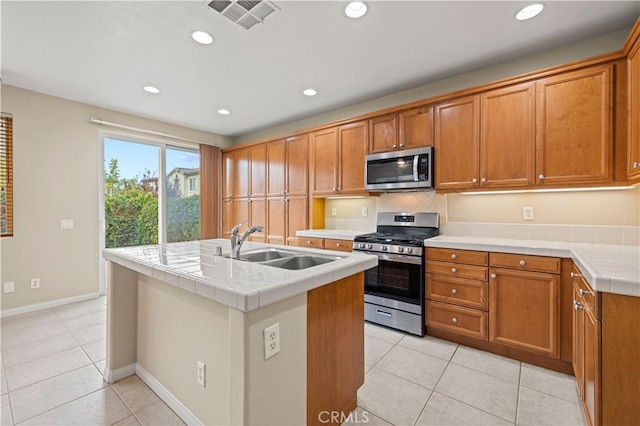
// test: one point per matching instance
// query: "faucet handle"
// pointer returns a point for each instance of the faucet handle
(237, 227)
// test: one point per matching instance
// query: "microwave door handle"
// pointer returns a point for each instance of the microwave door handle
(415, 168)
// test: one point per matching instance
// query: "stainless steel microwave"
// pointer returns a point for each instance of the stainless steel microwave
(408, 170)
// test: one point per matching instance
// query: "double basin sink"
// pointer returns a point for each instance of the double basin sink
(286, 259)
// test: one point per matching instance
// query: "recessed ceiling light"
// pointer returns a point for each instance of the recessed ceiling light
(529, 12)
(356, 9)
(151, 89)
(223, 112)
(310, 92)
(202, 37)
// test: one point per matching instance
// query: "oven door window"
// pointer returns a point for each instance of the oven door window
(401, 281)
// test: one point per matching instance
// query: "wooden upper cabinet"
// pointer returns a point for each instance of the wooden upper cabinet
(241, 175)
(457, 143)
(353, 150)
(276, 167)
(324, 162)
(415, 128)
(297, 177)
(258, 170)
(228, 170)
(574, 127)
(633, 70)
(384, 133)
(507, 137)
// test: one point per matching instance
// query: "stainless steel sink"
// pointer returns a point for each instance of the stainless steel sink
(261, 255)
(300, 262)
(286, 259)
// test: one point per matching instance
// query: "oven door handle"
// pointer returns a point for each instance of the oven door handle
(414, 260)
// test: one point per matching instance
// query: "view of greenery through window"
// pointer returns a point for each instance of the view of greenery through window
(131, 207)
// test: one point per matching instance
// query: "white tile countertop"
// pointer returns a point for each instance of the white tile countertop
(194, 267)
(608, 268)
(336, 234)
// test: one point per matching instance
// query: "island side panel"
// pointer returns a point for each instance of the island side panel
(176, 329)
(335, 349)
(122, 311)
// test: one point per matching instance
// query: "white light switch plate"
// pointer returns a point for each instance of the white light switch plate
(9, 287)
(66, 224)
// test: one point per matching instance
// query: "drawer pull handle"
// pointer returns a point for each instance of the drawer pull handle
(453, 256)
(453, 269)
(577, 306)
(383, 313)
(454, 319)
(308, 242)
(337, 244)
(493, 275)
(454, 291)
(574, 275)
(583, 292)
(522, 262)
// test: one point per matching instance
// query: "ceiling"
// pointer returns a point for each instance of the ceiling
(103, 52)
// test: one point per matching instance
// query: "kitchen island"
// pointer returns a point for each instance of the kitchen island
(190, 323)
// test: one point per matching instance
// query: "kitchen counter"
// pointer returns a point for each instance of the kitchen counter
(336, 234)
(608, 268)
(194, 267)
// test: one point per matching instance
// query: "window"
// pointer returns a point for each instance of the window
(192, 184)
(6, 175)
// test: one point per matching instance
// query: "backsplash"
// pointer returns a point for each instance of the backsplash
(409, 202)
(601, 234)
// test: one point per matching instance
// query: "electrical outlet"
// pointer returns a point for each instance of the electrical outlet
(66, 224)
(527, 213)
(202, 374)
(334, 211)
(35, 283)
(271, 340)
(365, 211)
(9, 287)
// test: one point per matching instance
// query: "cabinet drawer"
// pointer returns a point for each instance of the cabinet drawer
(459, 291)
(309, 242)
(341, 245)
(462, 256)
(458, 270)
(588, 295)
(526, 262)
(469, 322)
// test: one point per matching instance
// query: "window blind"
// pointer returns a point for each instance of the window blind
(6, 175)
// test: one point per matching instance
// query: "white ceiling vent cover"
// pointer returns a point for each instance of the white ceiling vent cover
(243, 12)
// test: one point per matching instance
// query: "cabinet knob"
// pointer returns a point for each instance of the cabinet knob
(401, 145)
(636, 164)
(453, 256)
(454, 291)
(474, 180)
(248, 193)
(337, 244)
(248, 201)
(308, 242)
(541, 177)
(583, 292)
(483, 180)
(334, 189)
(575, 275)
(577, 305)
(522, 263)
(493, 275)
(339, 189)
(395, 146)
(454, 320)
(453, 269)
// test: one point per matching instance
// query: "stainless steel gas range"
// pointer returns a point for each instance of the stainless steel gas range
(394, 290)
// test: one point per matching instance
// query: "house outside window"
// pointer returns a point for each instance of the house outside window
(192, 184)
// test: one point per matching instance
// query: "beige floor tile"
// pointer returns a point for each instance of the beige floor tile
(3, 382)
(383, 333)
(158, 414)
(442, 410)
(80, 308)
(129, 421)
(485, 362)
(480, 390)
(51, 393)
(360, 416)
(5, 411)
(375, 349)
(422, 369)
(28, 373)
(84, 321)
(34, 334)
(96, 350)
(392, 398)
(135, 393)
(90, 334)
(26, 322)
(102, 407)
(100, 365)
(37, 349)
(433, 346)
(537, 408)
(103, 300)
(550, 382)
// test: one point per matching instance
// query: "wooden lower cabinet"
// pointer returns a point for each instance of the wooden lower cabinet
(339, 245)
(285, 216)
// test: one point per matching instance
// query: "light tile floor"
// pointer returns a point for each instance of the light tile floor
(52, 362)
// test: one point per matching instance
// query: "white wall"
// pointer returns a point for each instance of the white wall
(56, 177)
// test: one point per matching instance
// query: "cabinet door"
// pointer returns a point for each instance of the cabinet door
(276, 168)
(591, 387)
(257, 214)
(276, 220)
(353, 150)
(457, 143)
(416, 128)
(384, 133)
(297, 165)
(507, 137)
(228, 217)
(241, 174)
(574, 142)
(633, 70)
(578, 340)
(258, 170)
(524, 310)
(228, 170)
(297, 216)
(324, 162)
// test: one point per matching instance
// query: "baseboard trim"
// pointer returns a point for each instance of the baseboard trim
(46, 305)
(183, 412)
(111, 376)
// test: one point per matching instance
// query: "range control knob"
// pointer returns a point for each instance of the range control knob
(400, 249)
(361, 245)
(383, 248)
(369, 246)
(409, 250)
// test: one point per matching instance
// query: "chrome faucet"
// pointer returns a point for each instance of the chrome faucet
(236, 242)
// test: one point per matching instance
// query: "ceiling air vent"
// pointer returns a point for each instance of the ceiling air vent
(243, 12)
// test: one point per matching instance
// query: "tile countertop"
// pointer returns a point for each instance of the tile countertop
(608, 268)
(194, 267)
(336, 234)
